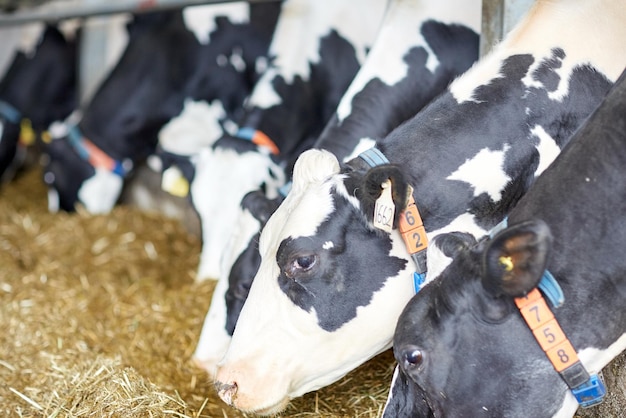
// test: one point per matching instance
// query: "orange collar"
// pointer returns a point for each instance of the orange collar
(259, 138)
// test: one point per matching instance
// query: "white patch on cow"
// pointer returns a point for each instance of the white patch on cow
(54, 201)
(400, 32)
(548, 149)
(201, 19)
(437, 261)
(296, 42)
(30, 37)
(530, 37)
(394, 378)
(196, 127)
(473, 172)
(221, 60)
(229, 176)
(260, 65)
(154, 163)
(236, 60)
(100, 192)
(11, 38)
(363, 145)
(214, 340)
(594, 360)
(230, 127)
(328, 245)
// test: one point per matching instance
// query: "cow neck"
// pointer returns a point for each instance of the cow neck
(589, 390)
(410, 224)
(259, 138)
(90, 152)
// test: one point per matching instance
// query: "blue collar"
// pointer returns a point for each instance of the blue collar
(89, 152)
(9, 112)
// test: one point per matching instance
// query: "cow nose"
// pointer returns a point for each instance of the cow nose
(226, 391)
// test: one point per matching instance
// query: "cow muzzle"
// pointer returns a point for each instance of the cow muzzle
(257, 396)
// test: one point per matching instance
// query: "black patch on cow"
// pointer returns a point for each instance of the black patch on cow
(307, 105)
(379, 108)
(240, 279)
(545, 72)
(222, 81)
(336, 288)
(247, 264)
(438, 140)
(145, 89)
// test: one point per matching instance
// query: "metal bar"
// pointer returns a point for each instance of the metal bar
(50, 13)
(498, 18)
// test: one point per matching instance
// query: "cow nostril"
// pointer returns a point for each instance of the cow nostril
(412, 356)
(226, 391)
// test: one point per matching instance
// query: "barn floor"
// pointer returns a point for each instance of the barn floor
(99, 317)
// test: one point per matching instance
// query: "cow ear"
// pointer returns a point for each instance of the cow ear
(313, 166)
(260, 206)
(515, 259)
(371, 189)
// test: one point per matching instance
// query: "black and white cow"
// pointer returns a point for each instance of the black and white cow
(166, 60)
(336, 283)
(432, 44)
(462, 345)
(317, 49)
(38, 87)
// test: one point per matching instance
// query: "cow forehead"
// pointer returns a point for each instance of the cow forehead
(300, 214)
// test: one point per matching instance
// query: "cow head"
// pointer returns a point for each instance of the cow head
(329, 275)
(122, 120)
(230, 169)
(234, 283)
(462, 346)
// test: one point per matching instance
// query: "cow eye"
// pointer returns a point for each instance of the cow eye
(305, 262)
(413, 357)
(300, 264)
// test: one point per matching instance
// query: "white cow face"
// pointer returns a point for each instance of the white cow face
(229, 174)
(318, 306)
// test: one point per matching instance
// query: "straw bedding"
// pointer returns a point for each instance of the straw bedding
(100, 315)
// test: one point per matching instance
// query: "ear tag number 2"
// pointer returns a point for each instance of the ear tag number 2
(385, 208)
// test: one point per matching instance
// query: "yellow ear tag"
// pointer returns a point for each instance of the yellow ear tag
(46, 137)
(27, 135)
(385, 208)
(174, 183)
(507, 262)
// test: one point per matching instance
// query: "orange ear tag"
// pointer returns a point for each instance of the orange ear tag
(384, 209)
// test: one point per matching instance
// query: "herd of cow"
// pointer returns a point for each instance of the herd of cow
(301, 131)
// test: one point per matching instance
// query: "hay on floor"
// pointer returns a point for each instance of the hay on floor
(100, 316)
